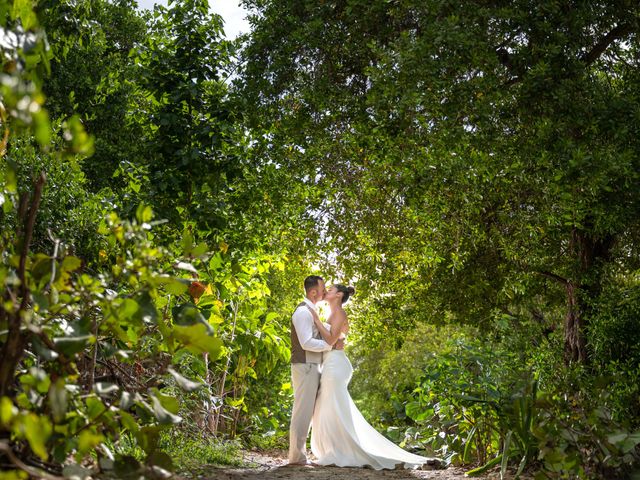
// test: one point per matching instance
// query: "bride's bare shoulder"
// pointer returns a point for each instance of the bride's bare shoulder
(342, 317)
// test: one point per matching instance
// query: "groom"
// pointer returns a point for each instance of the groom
(306, 357)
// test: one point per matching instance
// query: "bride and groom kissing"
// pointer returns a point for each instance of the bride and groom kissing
(320, 374)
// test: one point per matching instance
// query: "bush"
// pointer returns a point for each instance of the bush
(614, 341)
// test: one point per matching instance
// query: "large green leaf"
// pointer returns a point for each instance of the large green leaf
(197, 339)
(188, 314)
(184, 383)
(72, 345)
(37, 431)
(164, 416)
(58, 399)
(88, 440)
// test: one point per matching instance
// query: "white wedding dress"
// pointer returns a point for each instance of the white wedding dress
(340, 435)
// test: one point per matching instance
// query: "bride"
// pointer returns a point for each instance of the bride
(340, 434)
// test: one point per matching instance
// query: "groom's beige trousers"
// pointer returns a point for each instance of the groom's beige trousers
(305, 379)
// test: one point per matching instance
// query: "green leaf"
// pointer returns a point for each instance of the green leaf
(129, 422)
(414, 410)
(144, 213)
(69, 264)
(23, 9)
(173, 285)
(128, 309)
(184, 383)
(88, 440)
(69, 346)
(197, 339)
(163, 416)
(37, 378)
(37, 431)
(505, 454)
(189, 314)
(468, 443)
(187, 242)
(617, 437)
(7, 411)
(80, 142)
(170, 403)
(216, 262)
(160, 459)
(95, 407)
(58, 400)
(234, 402)
(126, 466)
(200, 250)
(13, 475)
(480, 470)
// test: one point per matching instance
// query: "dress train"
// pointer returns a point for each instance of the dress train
(340, 435)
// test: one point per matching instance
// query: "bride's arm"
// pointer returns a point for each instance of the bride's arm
(331, 336)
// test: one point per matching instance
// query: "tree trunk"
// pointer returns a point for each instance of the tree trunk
(575, 343)
(11, 354)
(13, 349)
(591, 253)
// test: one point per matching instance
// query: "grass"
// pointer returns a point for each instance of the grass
(193, 453)
(268, 441)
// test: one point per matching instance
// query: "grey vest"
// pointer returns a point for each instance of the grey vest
(299, 354)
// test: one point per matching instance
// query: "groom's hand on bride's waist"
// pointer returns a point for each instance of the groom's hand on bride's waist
(339, 345)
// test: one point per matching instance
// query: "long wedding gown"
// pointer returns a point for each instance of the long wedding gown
(340, 435)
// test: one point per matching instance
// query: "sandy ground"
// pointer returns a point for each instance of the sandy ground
(273, 465)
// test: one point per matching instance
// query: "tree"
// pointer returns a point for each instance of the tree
(482, 150)
(93, 76)
(190, 131)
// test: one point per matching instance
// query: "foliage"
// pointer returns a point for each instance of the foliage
(67, 210)
(478, 402)
(468, 164)
(457, 130)
(196, 456)
(470, 397)
(578, 436)
(93, 346)
(92, 76)
(189, 131)
(472, 168)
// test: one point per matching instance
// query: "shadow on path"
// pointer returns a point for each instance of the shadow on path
(334, 473)
(273, 467)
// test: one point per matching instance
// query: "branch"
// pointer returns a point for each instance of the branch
(555, 277)
(54, 257)
(62, 359)
(5, 135)
(504, 58)
(116, 365)
(28, 234)
(32, 471)
(599, 48)
(95, 420)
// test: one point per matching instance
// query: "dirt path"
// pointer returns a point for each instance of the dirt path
(273, 466)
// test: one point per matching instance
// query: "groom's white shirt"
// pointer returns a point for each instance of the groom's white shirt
(306, 330)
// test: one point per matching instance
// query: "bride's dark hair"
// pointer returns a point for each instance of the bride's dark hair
(346, 292)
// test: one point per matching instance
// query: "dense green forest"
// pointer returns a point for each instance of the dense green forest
(472, 167)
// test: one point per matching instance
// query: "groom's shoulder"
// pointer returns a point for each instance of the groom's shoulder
(300, 305)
